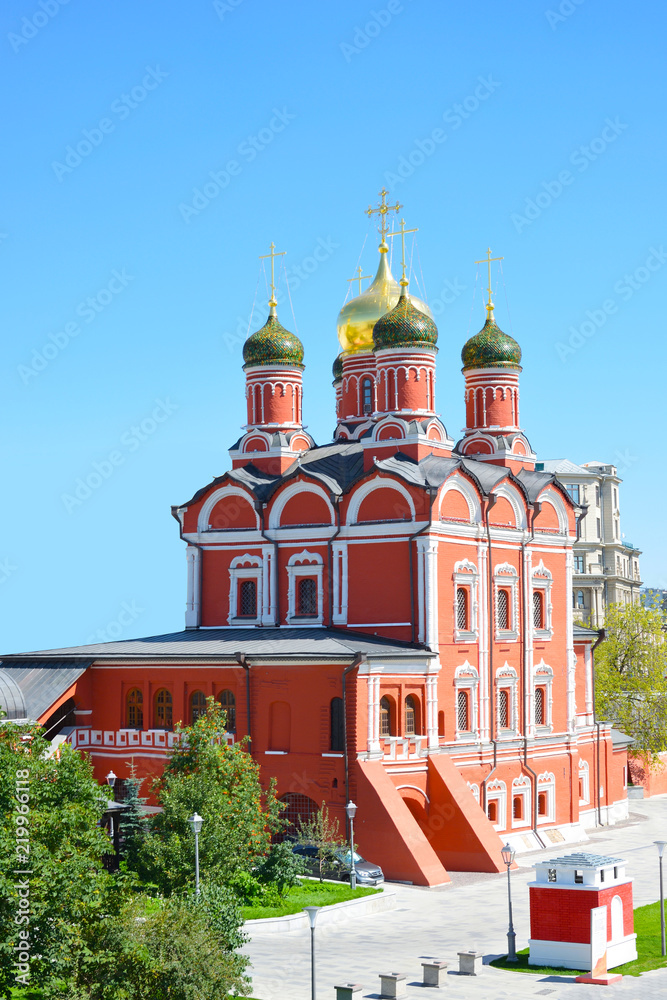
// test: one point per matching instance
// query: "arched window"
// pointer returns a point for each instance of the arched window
(462, 713)
(492, 811)
(297, 807)
(228, 705)
(538, 610)
(580, 599)
(539, 706)
(336, 730)
(517, 807)
(307, 599)
(247, 599)
(542, 804)
(367, 396)
(441, 723)
(462, 609)
(197, 706)
(134, 709)
(503, 611)
(503, 709)
(385, 717)
(163, 719)
(410, 716)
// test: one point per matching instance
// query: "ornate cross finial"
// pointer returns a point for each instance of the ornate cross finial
(360, 277)
(487, 260)
(272, 254)
(382, 210)
(402, 234)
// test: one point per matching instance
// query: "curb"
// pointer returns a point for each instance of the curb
(337, 913)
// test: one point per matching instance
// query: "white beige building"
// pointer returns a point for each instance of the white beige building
(606, 565)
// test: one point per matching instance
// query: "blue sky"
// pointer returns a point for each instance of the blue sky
(536, 129)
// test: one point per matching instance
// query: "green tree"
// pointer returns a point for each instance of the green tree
(220, 782)
(134, 822)
(323, 833)
(630, 681)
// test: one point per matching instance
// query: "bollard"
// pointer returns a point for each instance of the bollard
(435, 972)
(470, 962)
(348, 991)
(392, 984)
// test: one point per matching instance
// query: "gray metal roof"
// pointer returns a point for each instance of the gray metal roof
(582, 859)
(620, 740)
(42, 681)
(583, 632)
(12, 701)
(224, 643)
(563, 466)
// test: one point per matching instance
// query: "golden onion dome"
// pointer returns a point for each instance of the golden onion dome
(358, 316)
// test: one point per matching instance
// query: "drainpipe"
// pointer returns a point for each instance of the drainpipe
(432, 494)
(491, 616)
(336, 500)
(601, 637)
(359, 658)
(537, 507)
(243, 660)
(275, 576)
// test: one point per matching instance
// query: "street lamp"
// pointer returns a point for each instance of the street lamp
(661, 844)
(111, 781)
(351, 811)
(508, 858)
(312, 912)
(195, 822)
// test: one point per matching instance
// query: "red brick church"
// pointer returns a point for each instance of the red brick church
(387, 616)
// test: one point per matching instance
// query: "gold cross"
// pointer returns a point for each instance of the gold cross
(360, 277)
(382, 210)
(402, 234)
(273, 255)
(487, 261)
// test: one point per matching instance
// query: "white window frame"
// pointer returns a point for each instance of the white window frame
(474, 788)
(496, 791)
(299, 565)
(466, 678)
(466, 575)
(245, 567)
(585, 779)
(543, 676)
(506, 577)
(507, 679)
(542, 582)
(546, 783)
(521, 787)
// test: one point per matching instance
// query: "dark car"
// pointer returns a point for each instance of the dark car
(339, 866)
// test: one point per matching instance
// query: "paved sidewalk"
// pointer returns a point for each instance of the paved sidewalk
(470, 913)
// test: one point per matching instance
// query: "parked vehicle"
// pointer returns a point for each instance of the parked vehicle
(339, 867)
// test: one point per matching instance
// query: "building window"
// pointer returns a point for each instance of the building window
(336, 731)
(579, 564)
(599, 527)
(367, 396)
(410, 716)
(163, 717)
(578, 876)
(538, 610)
(134, 709)
(307, 597)
(503, 610)
(517, 807)
(462, 617)
(492, 811)
(247, 599)
(503, 709)
(579, 599)
(573, 490)
(551, 875)
(441, 723)
(197, 706)
(228, 705)
(539, 707)
(385, 717)
(462, 712)
(597, 496)
(542, 804)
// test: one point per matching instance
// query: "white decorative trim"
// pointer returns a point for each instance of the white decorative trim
(377, 483)
(416, 789)
(193, 600)
(507, 679)
(542, 581)
(306, 564)
(521, 788)
(215, 498)
(543, 676)
(293, 490)
(340, 579)
(466, 575)
(466, 678)
(516, 502)
(584, 778)
(506, 577)
(555, 500)
(546, 784)
(496, 791)
(474, 788)
(461, 485)
(245, 567)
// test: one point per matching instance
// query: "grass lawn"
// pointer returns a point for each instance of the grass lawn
(308, 893)
(647, 929)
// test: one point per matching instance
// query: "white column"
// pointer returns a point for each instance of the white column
(529, 694)
(421, 617)
(339, 556)
(432, 710)
(193, 602)
(588, 675)
(571, 656)
(431, 592)
(482, 625)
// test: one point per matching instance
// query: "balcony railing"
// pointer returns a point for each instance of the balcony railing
(161, 740)
(404, 747)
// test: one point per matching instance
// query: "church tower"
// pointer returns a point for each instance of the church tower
(491, 367)
(274, 395)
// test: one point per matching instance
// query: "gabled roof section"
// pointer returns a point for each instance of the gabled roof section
(43, 680)
(535, 482)
(561, 466)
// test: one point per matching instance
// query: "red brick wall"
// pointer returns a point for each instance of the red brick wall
(565, 914)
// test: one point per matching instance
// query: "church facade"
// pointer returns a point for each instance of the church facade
(387, 616)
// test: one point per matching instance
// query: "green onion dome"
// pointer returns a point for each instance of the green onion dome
(337, 369)
(405, 326)
(491, 348)
(273, 345)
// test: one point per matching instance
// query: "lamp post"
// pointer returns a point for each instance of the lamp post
(351, 811)
(508, 858)
(312, 912)
(195, 822)
(661, 844)
(111, 782)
